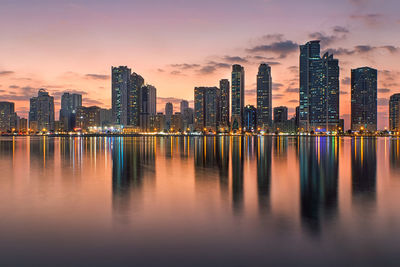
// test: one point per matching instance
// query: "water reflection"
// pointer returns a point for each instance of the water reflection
(363, 170)
(132, 160)
(318, 180)
(237, 174)
(264, 149)
(395, 155)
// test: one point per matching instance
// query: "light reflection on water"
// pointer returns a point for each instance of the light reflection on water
(216, 201)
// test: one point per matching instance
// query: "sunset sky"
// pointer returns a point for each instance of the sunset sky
(176, 45)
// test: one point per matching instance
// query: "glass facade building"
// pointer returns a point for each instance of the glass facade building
(364, 99)
(264, 97)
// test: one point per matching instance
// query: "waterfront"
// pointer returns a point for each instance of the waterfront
(239, 201)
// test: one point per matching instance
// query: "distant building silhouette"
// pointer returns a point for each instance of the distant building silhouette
(237, 96)
(136, 82)
(69, 104)
(41, 113)
(364, 99)
(169, 110)
(264, 97)
(8, 117)
(206, 108)
(249, 118)
(394, 113)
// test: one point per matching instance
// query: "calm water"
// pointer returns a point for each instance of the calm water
(180, 201)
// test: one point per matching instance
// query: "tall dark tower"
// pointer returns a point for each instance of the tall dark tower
(364, 99)
(120, 77)
(224, 87)
(264, 97)
(237, 96)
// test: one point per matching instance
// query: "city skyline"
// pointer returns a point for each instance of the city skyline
(177, 63)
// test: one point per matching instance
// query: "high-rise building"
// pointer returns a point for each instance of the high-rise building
(280, 114)
(187, 117)
(106, 117)
(88, 117)
(69, 104)
(148, 106)
(364, 99)
(169, 110)
(184, 105)
(224, 87)
(394, 113)
(249, 118)
(177, 122)
(41, 113)
(157, 122)
(264, 97)
(206, 108)
(120, 86)
(23, 125)
(7, 116)
(237, 96)
(319, 89)
(136, 82)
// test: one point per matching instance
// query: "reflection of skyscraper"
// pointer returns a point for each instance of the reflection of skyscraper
(364, 99)
(394, 112)
(237, 96)
(237, 173)
(133, 160)
(318, 180)
(264, 148)
(319, 89)
(264, 97)
(363, 168)
(394, 162)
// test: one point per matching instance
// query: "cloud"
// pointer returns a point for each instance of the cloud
(277, 86)
(281, 48)
(176, 72)
(292, 90)
(91, 102)
(363, 49)
(185, 66)
(277, 96)
(359, 3)
(383, 101)
(6, 72)
(212, 66)
(97, 76)
(346, 80)
(160, 70)
(13, 86)
(235, 59)
(371, 20)
(343, 92)
(384, 90)
(294, 101)
(340, 29)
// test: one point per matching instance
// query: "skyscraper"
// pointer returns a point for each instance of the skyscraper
(394, 113)
(69, 104)
(224, 87)
(206, 108)
(42, 111)
(184, 105)
(237, 96)
(249, 118)
(319, 89)
(136, 82)
(169, 110)
(120, 79)
(364, 99)
(280, 114)
(7, 116)
(264, 97)
(148, 106)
